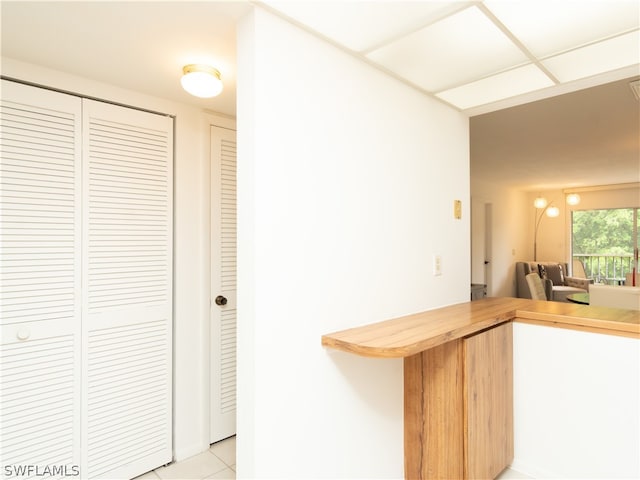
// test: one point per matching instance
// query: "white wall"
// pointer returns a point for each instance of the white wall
(346, 183)
(576, 404)
(191, 249)
(510, 236)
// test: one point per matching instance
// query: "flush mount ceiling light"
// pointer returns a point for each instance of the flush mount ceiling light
(573, 199)
(201, 80)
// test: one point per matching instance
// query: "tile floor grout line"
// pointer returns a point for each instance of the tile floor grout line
(219, 458)
(224, 470)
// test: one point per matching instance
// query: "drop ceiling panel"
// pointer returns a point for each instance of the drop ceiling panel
(497, 87)
(549, 27)
(618, 52)
(435, 45)
(450, 52)
(362, 25)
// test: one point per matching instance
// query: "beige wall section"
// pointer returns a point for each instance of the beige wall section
(509, 237)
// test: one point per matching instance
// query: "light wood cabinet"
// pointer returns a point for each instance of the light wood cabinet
(458, 376)
(488, 399)
(459, 407)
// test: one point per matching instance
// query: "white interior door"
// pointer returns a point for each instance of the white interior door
(40, 255)
(488, 247)
(478, 249)
(223, 284)
(85, 285)
(127, 284)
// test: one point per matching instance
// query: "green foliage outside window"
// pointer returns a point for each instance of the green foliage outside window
(603, 232)
(604, 241)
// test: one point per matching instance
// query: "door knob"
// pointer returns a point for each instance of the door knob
(24, 333)
(220, 300)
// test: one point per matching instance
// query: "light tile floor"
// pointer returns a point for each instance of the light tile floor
(219, 462)
(509, 474)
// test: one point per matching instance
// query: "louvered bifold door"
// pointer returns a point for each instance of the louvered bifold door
(223, 283)
(39, 282)
(127, 273)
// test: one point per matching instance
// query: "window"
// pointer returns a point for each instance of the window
(606, 242)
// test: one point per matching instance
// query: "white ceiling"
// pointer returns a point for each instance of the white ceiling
(480, 57)
(474, 53)
(140, 46)
(588, 137)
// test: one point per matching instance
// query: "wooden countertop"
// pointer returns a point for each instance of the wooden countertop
(411, 334)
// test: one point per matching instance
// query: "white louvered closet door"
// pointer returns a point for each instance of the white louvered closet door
(223, 283)
(127, 285)
(40, 171)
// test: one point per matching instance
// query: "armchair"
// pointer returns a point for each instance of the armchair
(536, 287)
(557, 284)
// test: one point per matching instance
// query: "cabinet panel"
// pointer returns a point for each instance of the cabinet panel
(489, 402)
(433, 441)
(459, 407)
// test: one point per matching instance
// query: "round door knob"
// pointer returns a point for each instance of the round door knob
(220, 300)
(24, 333)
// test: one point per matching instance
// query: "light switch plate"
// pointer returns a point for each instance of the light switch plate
(457, 209)
(437, 265)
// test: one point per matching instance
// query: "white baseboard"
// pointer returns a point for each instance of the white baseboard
(189, 451)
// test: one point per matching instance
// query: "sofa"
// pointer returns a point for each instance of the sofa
(557, 284)
(615, 296)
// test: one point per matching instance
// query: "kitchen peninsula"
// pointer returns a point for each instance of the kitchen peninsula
(458, 376)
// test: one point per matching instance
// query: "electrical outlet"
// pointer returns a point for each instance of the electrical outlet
(437, 265)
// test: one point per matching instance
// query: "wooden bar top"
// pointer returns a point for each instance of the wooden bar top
(411, 334)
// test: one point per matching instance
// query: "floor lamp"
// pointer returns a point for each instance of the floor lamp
(540, 203)
(552, 211)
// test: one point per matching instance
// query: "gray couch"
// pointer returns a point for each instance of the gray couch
(557, 283)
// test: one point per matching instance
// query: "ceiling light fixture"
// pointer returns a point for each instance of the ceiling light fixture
(573, 199)
(201, 80)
